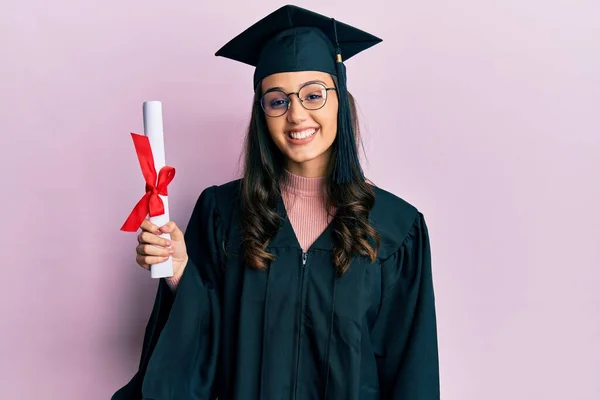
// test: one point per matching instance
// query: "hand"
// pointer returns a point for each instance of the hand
(153, 249)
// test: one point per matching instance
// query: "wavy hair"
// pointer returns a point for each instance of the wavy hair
(263, 166)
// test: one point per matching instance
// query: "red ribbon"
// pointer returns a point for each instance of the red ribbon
(150, 203)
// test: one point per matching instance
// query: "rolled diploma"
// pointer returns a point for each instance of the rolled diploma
(153, 129)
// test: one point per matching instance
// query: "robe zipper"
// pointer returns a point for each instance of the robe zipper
(298, 336)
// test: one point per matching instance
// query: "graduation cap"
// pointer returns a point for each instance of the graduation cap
(295, 39)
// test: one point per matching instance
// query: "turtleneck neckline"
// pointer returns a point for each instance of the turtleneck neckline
(303, 186)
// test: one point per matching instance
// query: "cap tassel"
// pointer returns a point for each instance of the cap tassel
(347, 163)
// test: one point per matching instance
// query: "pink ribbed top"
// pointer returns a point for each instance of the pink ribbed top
(304, 200)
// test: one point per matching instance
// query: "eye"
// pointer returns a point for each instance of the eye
(277, 103)
(313, 93)
(314, 96)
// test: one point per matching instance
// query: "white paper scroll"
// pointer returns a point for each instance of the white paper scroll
(153, 129)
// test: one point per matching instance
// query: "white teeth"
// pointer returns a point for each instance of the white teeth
(302, 134)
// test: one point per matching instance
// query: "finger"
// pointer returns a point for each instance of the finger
(145, 266)
(151, 238)
(146, 261)
(149, 227)
(151, 250)
(172, 229)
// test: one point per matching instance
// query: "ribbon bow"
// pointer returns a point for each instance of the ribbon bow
(150, 203)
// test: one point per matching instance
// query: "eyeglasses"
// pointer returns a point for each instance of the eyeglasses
(312, 96)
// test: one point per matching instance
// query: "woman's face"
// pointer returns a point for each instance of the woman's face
(304, 136)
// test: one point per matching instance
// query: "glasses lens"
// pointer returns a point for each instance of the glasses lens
(313, 96)
(275, 103)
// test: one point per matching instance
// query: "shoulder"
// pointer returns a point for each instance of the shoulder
(227, 194)
(394, 218)
(221, 200)
(222, 197)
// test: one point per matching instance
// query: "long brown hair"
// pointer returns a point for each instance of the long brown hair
(260, 192)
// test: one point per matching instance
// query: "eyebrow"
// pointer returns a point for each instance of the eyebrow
(301, 85)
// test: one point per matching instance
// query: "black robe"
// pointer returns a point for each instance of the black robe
(295, 331)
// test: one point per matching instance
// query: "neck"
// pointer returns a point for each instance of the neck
(302, 185)
(314, 168)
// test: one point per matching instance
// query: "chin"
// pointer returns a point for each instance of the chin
(307, 157)
(300, 160)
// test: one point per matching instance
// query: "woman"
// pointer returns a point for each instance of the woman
(301, 280)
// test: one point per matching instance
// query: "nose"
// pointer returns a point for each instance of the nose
(296, 113)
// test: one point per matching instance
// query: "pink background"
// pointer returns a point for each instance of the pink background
(484, 114)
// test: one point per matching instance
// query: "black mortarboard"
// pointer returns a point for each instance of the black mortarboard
(295, 39)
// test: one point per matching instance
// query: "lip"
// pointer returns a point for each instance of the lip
(302, 141)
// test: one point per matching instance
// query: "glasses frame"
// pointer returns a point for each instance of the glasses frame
(288, 95)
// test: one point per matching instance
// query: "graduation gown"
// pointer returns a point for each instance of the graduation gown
(296, 331)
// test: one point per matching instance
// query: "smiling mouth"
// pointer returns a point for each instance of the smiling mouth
(299, 135)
